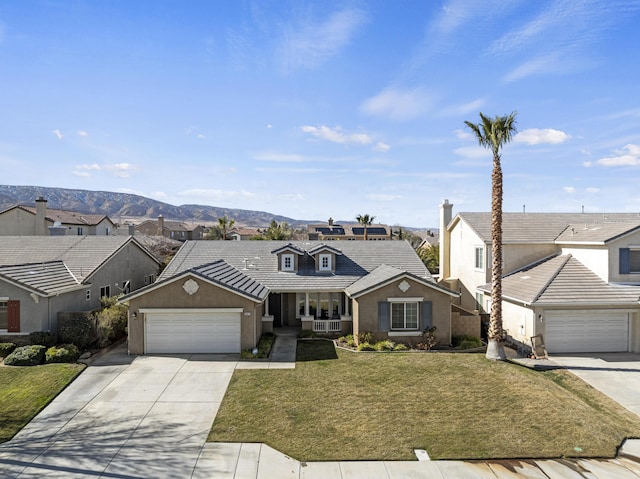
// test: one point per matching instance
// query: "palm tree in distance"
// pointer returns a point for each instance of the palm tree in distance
(365, 220)
(224, 225)
(493, 134)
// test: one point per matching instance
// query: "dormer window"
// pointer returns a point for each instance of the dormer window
(287, 262)
(325, 262)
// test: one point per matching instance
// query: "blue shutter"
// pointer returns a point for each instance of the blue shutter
(384, 320)
(625, 261)
(426, 316)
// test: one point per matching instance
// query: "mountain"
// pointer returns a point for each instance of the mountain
(122, 206)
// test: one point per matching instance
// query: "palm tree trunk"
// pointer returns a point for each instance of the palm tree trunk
(495, 348)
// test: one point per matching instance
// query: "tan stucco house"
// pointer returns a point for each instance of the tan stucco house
(573, 278)
(41, 277)
(175, 230)
(220, 296)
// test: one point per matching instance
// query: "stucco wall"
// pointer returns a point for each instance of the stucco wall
(465, 325)
(365, 310)
(632, 240)
(594, 257)
(173, 295)
(17, 222)
(517, 321)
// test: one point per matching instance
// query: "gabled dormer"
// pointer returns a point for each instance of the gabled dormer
(325, 258)
(288, 257)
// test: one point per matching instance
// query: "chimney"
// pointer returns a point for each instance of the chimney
(131, 230)
(330, 221)
(160, 225)
(446, 209)
(41, 217)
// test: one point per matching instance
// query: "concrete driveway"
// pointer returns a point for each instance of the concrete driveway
(124, 417)
(615, 374)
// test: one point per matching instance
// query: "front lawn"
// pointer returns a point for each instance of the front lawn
(382, 406)
(24, 391)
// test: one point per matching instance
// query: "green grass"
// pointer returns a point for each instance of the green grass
(381, 406)
(24, 391)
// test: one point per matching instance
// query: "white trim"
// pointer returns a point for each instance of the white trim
(3, 298)
(190, 310)
(405, 300)
(283, 258)
(396, 333)
(321, 258)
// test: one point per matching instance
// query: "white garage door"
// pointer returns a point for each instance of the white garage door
(192, 331)
(586, 331)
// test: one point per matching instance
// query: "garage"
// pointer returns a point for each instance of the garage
(192, 330)
(586, 331)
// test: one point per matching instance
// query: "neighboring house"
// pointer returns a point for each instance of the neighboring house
(220, 296)
(347, 231)
(170, 229)
(22, 220)
(43, 276)
(242, 234)
(573, 278)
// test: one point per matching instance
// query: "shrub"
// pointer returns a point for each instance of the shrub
(366, 347)
(365, 337)
(458, 339)
(65, 353)
(470, 344)
(349, 340)
(78, 331)
(428, 339)
(307, 333)
(262, 350)
(386, 345)
(110, 321)
(43, 338)
(6, 349)
(26, 356)
(401, 347)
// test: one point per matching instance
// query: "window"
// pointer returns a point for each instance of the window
(479, 301)
(404, 315)
(88, 295)
(630, 260)
(287, 262)
(325, 262)
(107, 231)
(80, 231)
(4, 315)
(479, 258)
(105, 291)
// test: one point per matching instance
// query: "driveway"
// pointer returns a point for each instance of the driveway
(615, 374)
(124, 417)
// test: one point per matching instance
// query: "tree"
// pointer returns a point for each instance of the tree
(365, 220)
(430, 256)
(219, 231)
(276, 231)
(493, 134)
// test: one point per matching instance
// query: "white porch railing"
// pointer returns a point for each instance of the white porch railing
(327, 325)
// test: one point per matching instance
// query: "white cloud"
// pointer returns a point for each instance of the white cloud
(269, 126)
(121, 170)
(83, 133)
(215, 195)
(57, 133)
(159, 195)
(587, 164)
(292, 197)
(337, 135)
(464, 134)
(398, 104)
(309, 44)
(472, 152)
(86, 169)
(380, 146)
(279, 157)
(569, 189)
(383, 197)
(629, 155)
(536, 136)
(464, 108)
(200, 136)
(536, 66)
(593, 190)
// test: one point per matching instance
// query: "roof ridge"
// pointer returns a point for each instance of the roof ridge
(552, 277)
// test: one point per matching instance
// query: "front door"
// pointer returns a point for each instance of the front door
(13, 316)
(275, 309)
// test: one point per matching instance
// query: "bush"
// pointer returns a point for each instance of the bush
(262, 350)
(458, 339)
(6, 349)
(349, 340)
(470, 344)
(366, 347)
(365, 337)
(386, 345)
(401, 347)
(65, 353)
(43, 338)
(110, 321)
(428, 339)
(78, 331)
(26, 356)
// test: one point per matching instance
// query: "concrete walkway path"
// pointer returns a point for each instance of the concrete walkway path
(129, 417)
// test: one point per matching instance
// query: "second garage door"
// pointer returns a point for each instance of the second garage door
(586, 331)
(192, 331)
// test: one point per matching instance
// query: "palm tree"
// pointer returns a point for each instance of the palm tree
(365, 220)
(493, 134)
(224, 225)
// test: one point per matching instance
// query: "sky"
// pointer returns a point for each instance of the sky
(318, 109)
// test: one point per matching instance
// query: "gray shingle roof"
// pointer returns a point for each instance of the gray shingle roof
(540, 227)
(256, 260)
(599, 233)
(81, 254)
(45, 278)
(563, 280)
(222, 273)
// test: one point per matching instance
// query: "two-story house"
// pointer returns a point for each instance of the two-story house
(175, 230)
(573, 278)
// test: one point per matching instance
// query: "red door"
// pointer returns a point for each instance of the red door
(13, 316)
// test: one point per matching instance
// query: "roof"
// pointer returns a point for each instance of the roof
(563, 279)
(540, 227)
(257, 260)
(348, 229)
(82, 255)
(69, 217)
(44, 278)
(384, 274)
(595, 233)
